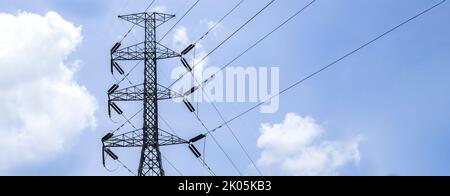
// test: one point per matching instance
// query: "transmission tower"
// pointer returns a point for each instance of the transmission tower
(150, 138)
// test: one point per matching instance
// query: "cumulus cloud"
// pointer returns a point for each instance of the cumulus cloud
(295, 147)
(43, 109)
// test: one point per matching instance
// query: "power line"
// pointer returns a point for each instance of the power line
(331, 64)
(225, 40)
(185, 14)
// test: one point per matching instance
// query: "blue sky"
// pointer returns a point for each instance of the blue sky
(395, 93)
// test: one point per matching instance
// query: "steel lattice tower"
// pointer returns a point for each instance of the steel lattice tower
(150, 138)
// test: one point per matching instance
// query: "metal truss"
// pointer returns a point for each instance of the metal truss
(150, 138)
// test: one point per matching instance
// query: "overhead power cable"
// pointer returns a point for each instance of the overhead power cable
(331, 64)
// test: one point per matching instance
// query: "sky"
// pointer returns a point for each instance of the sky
(382, 111)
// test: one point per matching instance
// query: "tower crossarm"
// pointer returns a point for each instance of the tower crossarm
(139, 19)
(133, 93)
(136, 52)
(163, 52)
(134, 139)
(136, 93)
(165, 93)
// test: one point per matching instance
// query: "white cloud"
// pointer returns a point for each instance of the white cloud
(43, 109)
(294, 147)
